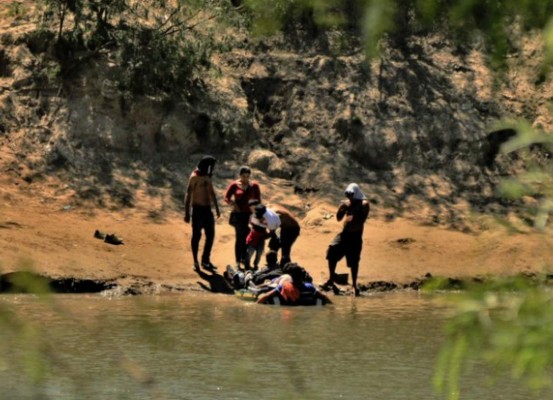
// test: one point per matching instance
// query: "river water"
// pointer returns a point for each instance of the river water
(207, 346)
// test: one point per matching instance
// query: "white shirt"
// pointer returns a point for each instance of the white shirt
(271, 219)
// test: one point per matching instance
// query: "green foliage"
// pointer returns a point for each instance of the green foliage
(159, 46)
(31, 358)
(16, 9)
(162, 55)
(509, 325)
(495, 23)
(536, 181)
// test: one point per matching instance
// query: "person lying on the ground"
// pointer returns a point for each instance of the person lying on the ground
(240, 279)
(292, 290)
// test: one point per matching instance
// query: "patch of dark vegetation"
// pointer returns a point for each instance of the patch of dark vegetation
(30, 282)
(138, 288)
(39, 41)
(511, 283)
(88, 192)
(5, 69)
(72, 285)
(494, 141)
(378, 286)
(9, 225)
(403, 243)
(304, 189)
(431, 284)
(122, 195)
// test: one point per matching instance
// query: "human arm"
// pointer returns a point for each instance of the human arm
(274, 241)
(342, 209)
(256, 191)
(231, 189)
(266, 296)
(214, 198)
(323, 297)
(366, 209)
(188, 199)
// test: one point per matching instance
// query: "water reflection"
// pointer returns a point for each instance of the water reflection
(206, 346)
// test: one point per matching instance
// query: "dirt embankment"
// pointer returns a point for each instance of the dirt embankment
(46, 234)
(415, 128)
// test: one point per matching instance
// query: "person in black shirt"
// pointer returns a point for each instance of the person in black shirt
(353, 211)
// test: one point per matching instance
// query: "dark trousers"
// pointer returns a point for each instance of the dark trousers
(242, 228)
(258, 251)
(287, 238)
(348, 244)
(202, 218)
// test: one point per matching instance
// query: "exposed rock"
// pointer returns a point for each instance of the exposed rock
(270, 163)
(396, 122)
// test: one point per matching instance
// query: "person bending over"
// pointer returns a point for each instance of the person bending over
(289, 232)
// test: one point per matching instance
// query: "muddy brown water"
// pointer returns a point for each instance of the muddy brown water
(205, 346)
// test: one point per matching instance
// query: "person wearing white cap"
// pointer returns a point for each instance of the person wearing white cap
(353, 211)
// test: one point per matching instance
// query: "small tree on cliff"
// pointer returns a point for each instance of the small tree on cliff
(159, 46)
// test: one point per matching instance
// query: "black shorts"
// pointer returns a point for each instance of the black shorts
(348, 245)
(202, 218)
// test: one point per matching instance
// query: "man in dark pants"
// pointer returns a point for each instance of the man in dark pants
(197, 201)
(354, 212)
(289, 232)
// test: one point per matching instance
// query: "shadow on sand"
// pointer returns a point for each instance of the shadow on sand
(216, 283)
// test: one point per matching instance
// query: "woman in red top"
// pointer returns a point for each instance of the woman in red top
(238, 194)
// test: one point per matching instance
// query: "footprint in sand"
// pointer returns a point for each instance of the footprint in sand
(225, 238)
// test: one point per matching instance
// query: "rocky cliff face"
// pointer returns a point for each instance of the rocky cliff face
(414, 127)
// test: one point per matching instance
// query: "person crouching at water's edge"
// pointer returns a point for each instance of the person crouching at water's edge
(197, 202)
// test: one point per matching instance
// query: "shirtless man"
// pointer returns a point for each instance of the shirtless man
(197, 202)
(354, 212)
